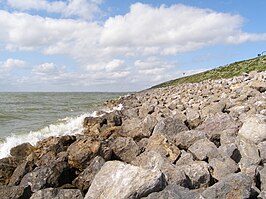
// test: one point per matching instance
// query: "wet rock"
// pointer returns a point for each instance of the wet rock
(21, 151)
(82, 151)
(15, 192)
(204, 150)
(175, 192)
(234, 186)
(92, 125)
(254, 128)
(7, 167)
(120, 180)
(125, 149)
(169, 127)
(57, 194)
(84, 180)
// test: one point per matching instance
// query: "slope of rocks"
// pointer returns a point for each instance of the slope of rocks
(203, 140)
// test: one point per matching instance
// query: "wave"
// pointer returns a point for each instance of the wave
(65, 126)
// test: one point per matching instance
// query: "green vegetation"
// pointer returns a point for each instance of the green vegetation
(228, 71)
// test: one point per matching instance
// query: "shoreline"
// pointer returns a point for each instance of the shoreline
(191, 139)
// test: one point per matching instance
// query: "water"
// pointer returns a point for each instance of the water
(30, 117)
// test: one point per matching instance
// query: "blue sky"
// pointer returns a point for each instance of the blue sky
(108, 45)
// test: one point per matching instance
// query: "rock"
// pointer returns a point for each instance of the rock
(197, 173)
(125, 149)
(22, 169)
(186, 138)
(154, 160)
(254, 128)
(15, 192)
(159, 143)
(204, 150)
(262, 151)
(234, 186)
(262, 195)
(228, 136)
(169, 127)
(174, 192)
(213, 109)
(82, 151)
(92, 125)
(230, 151)
(119, 180)
(193, 118)
(262, 178)
(7, 167)
(185, 158)
(218, 123)
(22, 151)
(146, 109)
(83, 181)
(222, 167)
(57, 194)
(258, 85)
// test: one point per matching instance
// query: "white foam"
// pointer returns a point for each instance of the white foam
(66, 126)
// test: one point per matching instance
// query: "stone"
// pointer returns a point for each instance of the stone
(262, 176)
(169, 127)
(22, 169)
(213, 108)
(193, 118)
(204, 150)
(258, 85)
(92, 125)
(197, 173)
(218, 123)
(228, 136)
(254, 128)
(174, 192)
(146, 109)
(185, 158)
(234, 186)
(222, 167)
(230, 151)
(7, 167)
(57, 194)
(125, 149)
(186, 138)
(161, 144)
(262, 151)
(22, 151)
(154, 160)
(262, 195)
(82, 151)
(15, 192)
(119, 180)
(84, 179)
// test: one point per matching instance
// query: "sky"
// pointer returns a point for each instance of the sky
(121, 46)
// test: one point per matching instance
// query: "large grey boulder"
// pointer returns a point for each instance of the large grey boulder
(84, 180)
(174, 192)
(15, 192)
(254, 128)
(204, 149)
(57, 194)
(234, 186)
(169, 127)
(193, 118)
(119, 180)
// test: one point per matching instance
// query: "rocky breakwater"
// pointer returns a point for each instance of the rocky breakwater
(203, 140)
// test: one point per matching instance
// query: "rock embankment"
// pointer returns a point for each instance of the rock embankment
(203, 140)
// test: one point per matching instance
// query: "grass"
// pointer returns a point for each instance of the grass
(228, 71)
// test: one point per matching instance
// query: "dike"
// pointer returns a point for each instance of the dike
(197, 140)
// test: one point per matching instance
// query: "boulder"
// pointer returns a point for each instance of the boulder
(174, 192)
(15, 192)
(262, 151)
(57, 194)
(254, 128)
(204, 150)
(193, 118)
(213, 108)
(218, 123)
(262, 195)
(234, 186)
(82, 151)
(7, 167)
(185, 158)
(230, 151)
(146, 109)
(222, 167)
(21, 151)
(258, 85)
(169, 127)
(186, 138)
(125, 149)
(161, 144)
(119, 180)
(84, 179)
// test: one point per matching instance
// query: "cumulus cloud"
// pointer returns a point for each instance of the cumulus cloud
(10, 64)
(47, 69)
(78, 8)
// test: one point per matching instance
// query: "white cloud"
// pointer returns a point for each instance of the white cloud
(10, 64)
(81, 8)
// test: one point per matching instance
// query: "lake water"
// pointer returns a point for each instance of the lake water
(30, 117)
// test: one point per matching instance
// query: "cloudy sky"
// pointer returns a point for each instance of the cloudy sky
(110, 45)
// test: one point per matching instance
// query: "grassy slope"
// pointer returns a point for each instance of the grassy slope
(228, 71)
